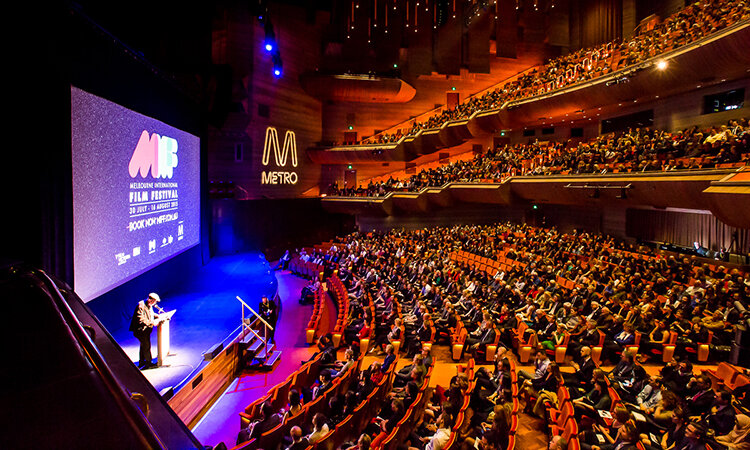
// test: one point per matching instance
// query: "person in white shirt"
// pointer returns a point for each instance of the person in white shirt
(437, 441)
(650, 395)
(320, 429)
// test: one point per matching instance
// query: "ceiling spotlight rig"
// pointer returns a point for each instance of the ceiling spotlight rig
(270, 44)
(596, 189)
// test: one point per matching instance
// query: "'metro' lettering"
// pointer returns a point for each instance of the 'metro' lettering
(278, 177)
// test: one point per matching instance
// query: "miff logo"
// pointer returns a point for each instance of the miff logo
(158, 153)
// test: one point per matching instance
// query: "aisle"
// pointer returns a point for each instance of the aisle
(221, 422)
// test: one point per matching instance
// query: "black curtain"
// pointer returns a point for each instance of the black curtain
(684, 228)
(600, 21)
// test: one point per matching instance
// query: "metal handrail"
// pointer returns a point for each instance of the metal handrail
(258, 317)
(132, 413)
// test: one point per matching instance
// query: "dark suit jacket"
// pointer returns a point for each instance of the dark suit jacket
(425, 333)
(301, 445)
(143, 317)
(722, 421)
(586, 371)
(702, 403)
(487, 337)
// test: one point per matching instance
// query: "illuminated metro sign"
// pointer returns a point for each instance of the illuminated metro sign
(281, 155)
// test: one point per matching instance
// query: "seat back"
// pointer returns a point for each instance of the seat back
(570, 430)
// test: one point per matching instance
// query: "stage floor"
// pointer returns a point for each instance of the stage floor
(222, 423)
(207, 313)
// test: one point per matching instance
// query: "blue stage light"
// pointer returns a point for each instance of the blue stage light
(269, 46)
(277, 72)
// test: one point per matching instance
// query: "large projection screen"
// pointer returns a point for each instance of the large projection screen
(136, 193)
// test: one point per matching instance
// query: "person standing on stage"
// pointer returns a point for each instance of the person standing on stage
(269, 314)
(143, 321)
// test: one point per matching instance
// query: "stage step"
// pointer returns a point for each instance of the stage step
(272, 360)
(255, 346)
(267, 351)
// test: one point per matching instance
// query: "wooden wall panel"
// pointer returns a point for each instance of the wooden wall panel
(288, 107)
(506, 29)
(683, 111)
(629, 21)
(194, 399)
(479, 43)
(448, 48)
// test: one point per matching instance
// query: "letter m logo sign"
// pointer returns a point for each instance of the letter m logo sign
(280, 153)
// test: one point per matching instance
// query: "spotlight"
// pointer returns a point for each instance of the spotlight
(277, 65)
(270, 38)
(661, 65)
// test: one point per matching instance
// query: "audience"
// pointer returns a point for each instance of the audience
(621, 289)
(636, 150)
(684, 27)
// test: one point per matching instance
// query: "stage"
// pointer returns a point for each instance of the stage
(221, 422)
(207, 313)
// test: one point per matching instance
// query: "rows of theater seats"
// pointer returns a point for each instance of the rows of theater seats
(350, 427)
(526, 345)
(391, 441)
(721, 146)
(705, 18)
(305, 377)
(319, 311)
(510, 252)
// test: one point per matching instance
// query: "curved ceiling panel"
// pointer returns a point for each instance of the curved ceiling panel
(357, 88)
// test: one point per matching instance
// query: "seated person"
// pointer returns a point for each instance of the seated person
(626, 439)
(597, 398)
(541, 364)
(584, 369)
(319, 430)
(485, 335)
(403, 376)
(619, 343)
(390, 358)
(268, 420)
(421, 335)
(396, 413)
(739, 437)
(720, 417)
(341, 367)
(700, 395)
(299, 442)
(384, 340)
(294, 405)
(363, 443)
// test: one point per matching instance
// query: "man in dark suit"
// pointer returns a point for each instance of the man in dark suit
(485, 336)
(721, 417)
(143, 321)
(700, 395)
(422, 334)
(580, 380)
(268, 312)
(588, 338)
(267, 422)
(299, 442)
